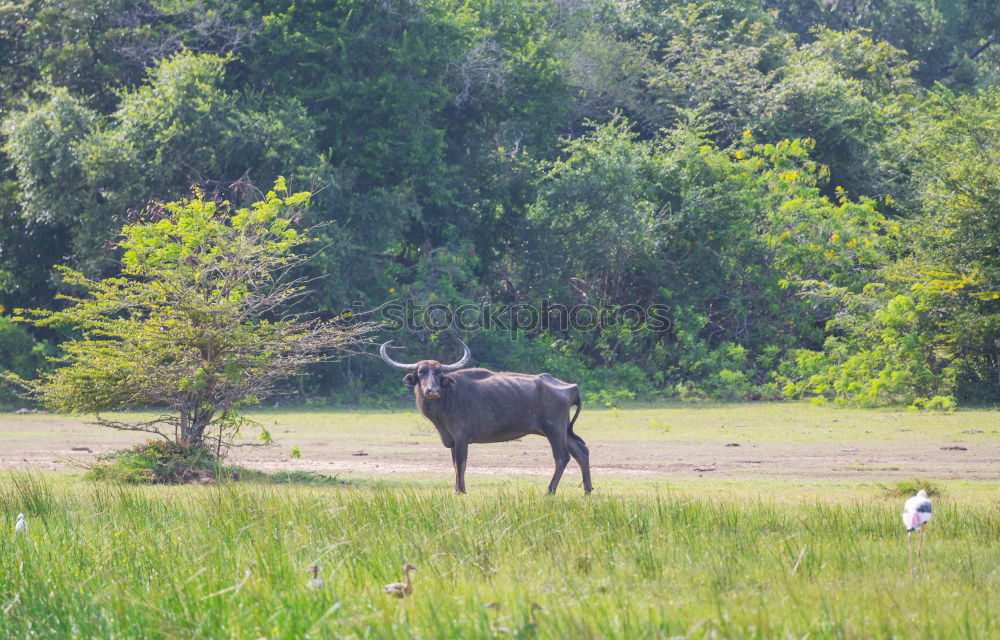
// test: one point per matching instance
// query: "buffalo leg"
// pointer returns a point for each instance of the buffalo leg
(459, 456)
(581, 454)
(560, 452)
(454, 461)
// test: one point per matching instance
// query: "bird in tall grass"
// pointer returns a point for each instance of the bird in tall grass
(21, 526)
(495, 626)
(315, 582)
(916, 513)
(401, 589)
(531, 626)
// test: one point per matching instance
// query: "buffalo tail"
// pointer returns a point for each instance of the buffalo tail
(579, 405)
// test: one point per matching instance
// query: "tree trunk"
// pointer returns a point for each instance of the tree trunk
(185, 435)
(193, 425)
(199, 423)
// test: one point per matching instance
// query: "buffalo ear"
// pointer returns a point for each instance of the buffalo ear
(410, 379)
(447, 381)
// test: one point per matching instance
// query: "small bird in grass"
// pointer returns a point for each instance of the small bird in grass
(21, 526)
(530, 628)
(401, 589)
(495, 626)
(916, 513)
(315, 582)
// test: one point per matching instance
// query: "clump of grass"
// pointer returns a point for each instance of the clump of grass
(27, 493)
(908, 488)
(157, 462)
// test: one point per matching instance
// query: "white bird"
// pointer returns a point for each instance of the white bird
(401, 589)
(22, 525)
(916, 513)
(315, 582)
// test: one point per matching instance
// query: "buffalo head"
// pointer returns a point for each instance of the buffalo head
(428, 374)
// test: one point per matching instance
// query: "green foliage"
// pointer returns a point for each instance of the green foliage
(156, 462)
(605, 197)
(417, 131)
(886, 358)
(926, 332)
(116, 163)
(944, 38)
(200, 320)
(41, 144)
(957, 235)
(883, 71)
(720, 58)
(725, 237)
(21, 354)
(750, 165)
(165, 462)
(909, 488)
(96, 47)
(820, 99)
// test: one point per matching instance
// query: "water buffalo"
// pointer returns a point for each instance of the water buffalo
(477, 405)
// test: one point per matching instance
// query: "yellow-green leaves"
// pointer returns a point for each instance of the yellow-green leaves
(197, 323)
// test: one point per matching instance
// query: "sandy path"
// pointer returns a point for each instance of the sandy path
(395, 443)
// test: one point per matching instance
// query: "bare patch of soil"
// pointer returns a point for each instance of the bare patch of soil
(336, 443)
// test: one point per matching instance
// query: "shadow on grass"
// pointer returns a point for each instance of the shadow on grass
(301, 478)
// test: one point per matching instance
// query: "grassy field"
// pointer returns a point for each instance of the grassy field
(231, 560)
(745, 556)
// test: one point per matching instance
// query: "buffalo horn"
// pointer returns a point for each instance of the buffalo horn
(461, 363)
(392, 363)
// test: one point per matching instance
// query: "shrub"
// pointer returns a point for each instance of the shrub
(201, 320)
(908, 488)
(157, 462)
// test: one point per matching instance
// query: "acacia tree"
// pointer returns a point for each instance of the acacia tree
(200, 322)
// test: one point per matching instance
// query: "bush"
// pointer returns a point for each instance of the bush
(163, 462)
(909, 488)
(942, 403)
(891, 355)
(157, 462)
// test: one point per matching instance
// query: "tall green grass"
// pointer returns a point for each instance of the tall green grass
(105, 561)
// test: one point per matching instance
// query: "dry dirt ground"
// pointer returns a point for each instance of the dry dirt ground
(750, 442)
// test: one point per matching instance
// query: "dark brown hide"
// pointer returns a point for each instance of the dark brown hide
(478, 406)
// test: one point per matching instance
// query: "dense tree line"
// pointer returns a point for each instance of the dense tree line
(807, 189)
